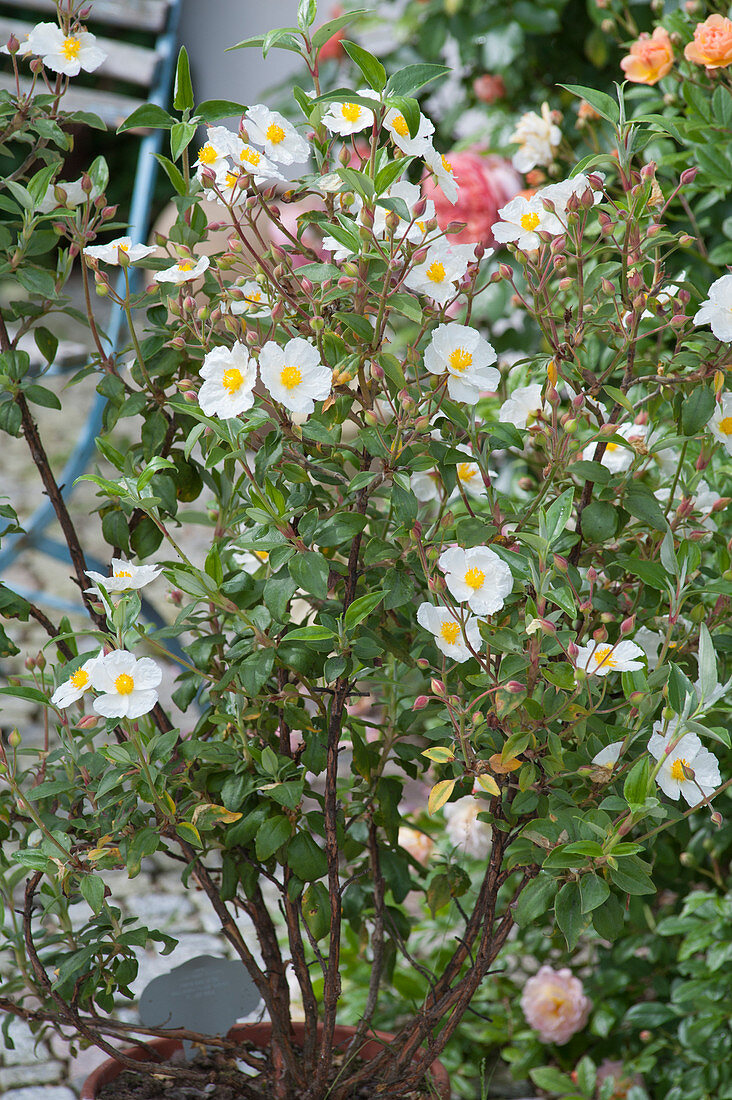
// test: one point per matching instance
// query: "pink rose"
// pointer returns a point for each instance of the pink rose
(555, 1005)
(489, 87)
(486, 183)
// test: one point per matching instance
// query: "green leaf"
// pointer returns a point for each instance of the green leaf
(568, 911)
(272, 835)
(535, 899)
(278, 591)
(211, 110)
(306, 858)
(173, 173)
(314, 633)
(631, 877)
(413, 77)
(149, 116)
(255, 670)
(409, 108)
(39, 395)
(604, 104)
(590, 471)
(361, 608)
(699, 405)
(642, 504)
(546, 1077)
(181, 135)
(183, 89)
(599, 521)
(283, 39)
(594, 891)
(310, 572)
(373, 71)
(707, 662)
(327, 30)
(608, 919)
(91, 888)
(386, 176)
(635, 788)
(306, 12)
(558, 514)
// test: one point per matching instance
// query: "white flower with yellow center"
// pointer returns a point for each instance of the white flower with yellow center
(560, 194)
(278, 137)
(214, 153)
(250, 161)
(688, 769)
(294, 375)
(440, 166)
(398, 128)
(109, 253)
(616, 457)
(477, 577)
(461, 352)
(522, 407)
(609, 756)
(65, 53)
(253, 304)
(521, 222)
(599, 659)
(451, 636)
(350, 118)
(125, 577)
(469, 476)
(229, 377)
(440, 272)
(538, 137)
(77, 684)
(465, 831)
(720, 424)
(184, 271)
(127, 685)
(226, 190)
(716, 311)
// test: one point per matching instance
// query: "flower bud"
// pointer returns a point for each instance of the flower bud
(420, 702)
(600, 635)
(688, 176)
(717, 819)
(30, 663)
(560, 563)
(422, 663)
(627, 626)
(88, 722)
(437, 686)
(13, 44)
(14, 739)
(505, 271)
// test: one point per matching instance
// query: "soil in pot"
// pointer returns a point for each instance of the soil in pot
(222, 1079)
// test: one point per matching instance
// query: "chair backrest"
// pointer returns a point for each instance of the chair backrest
(137, 66)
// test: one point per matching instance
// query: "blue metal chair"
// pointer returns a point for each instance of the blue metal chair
(153, 70)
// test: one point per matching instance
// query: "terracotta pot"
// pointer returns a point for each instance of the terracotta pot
(259, 1034)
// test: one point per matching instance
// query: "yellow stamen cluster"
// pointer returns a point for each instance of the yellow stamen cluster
(71, 47)
(232, 380)
(460, 359)
(80, 678)
(449, 632)
(290, 377)
(475, 578)
(436, 272)
(275, 133)
(351, 112)
(124, 684)
(529, 222)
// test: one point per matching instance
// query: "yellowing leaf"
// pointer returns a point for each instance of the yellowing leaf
(503, 767)
(439, 754)
(439, 795)
(489, 785)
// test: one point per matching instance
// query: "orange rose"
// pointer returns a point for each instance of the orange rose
(712, 45)
(649, 58)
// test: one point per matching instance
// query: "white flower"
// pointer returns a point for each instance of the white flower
(470, 476)
(560, 193)
(126, 683)
(716, 311)
(538, 138)
(522, 407)
(450, 635)
(650, 642)
(213, 155)
(442, 169)
(477, 577)
(601, 659)
(109, 253)
(418, 145)
(75, 195)
(78, 683)
(465, 831)
(126, 577)
(425, 485)
(254, 302)
(440, 272)
(255, 164)
(521, 222)
(609, 756)
(184, 271)
(65, 53)
(688, 756)
(616, 457)
(418, 844)
(230, 375)
(701, 507)
(350, 118)
(466, 357)
(278, 137)
(226, 190)
(720, 424)
(294, 375)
